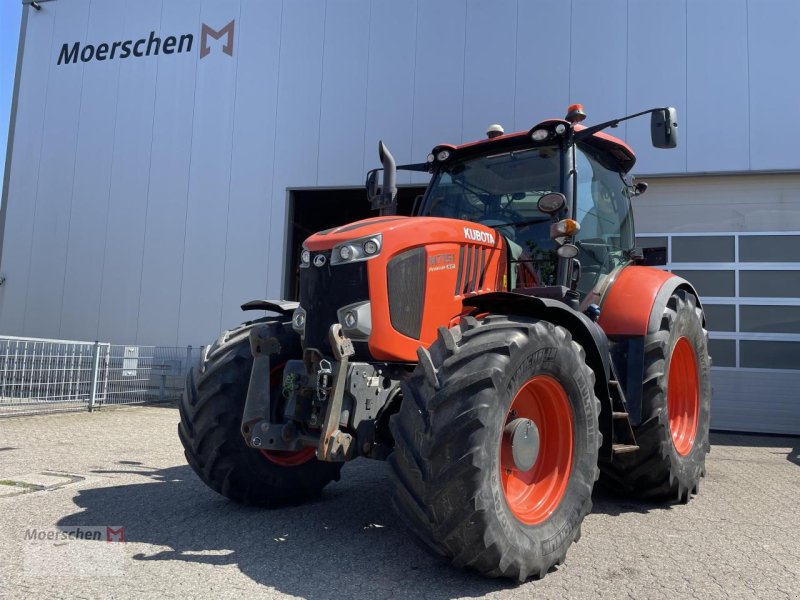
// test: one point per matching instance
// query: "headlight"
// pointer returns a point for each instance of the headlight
(299, 320)
(539, 135)
(443, 155)
(371, 247)
(359, 249)
(305, 258)
(356, 320)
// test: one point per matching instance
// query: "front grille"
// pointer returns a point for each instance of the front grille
(472, 263)
(323, 291)
(406, 282)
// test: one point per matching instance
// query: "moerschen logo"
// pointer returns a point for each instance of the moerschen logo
(149, 46)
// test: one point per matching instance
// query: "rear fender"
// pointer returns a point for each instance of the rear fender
(635, 300)
(631, 309)
(583, 330)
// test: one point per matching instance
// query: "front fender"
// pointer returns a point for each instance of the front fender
(583, 330)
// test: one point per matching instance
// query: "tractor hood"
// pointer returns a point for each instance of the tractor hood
(407, 231)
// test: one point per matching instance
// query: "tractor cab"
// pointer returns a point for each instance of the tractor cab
(531, 184)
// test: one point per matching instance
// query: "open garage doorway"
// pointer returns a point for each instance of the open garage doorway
(312, 210)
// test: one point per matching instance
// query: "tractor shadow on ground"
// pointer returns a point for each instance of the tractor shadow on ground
(613, 504)
(347, 544)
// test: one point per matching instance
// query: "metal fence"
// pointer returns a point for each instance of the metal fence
(42, 375)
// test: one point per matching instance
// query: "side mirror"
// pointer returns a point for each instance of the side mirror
(664, 127)
(650, 257)
(417, 204)
(373, 189)
(552, 203)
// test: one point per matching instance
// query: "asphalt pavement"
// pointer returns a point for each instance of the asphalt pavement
(69, 482)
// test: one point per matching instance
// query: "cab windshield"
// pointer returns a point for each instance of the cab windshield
(502, 191)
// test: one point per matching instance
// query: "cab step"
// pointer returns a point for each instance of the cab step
(624, 448)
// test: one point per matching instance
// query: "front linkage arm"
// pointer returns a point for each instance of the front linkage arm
(260, 432)
(335, 445)
(257, 427)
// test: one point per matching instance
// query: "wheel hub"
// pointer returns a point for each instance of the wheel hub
(521, 436)
(536, 449)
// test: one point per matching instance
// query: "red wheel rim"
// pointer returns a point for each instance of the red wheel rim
(290, 459)
(683, 396)
(286, 459)
(534, 494)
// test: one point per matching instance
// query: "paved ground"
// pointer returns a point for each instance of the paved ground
(739, 538)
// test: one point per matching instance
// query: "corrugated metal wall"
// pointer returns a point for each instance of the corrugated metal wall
(147, 196)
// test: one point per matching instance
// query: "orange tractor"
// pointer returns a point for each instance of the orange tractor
(503, 348)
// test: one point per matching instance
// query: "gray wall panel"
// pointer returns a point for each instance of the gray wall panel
(656, 77)
(167, 196)
(247, 260)
(48, 244)
(390, 84)
(130, 176)
(439, 80)
(543, 62)
(773, 46)
(344, 92)
(24, 173)
(297, 131)
(209, 183)
(489, 66)
(717, 114)
(598, 63)
(91, 192)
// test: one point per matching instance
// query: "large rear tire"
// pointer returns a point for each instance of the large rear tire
(452, 483)
(211, 414)
(676, 410)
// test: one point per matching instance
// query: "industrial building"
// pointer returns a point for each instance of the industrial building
(167, 157)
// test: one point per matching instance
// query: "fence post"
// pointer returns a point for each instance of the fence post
(95, 373)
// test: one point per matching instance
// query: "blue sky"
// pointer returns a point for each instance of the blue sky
(10, 14)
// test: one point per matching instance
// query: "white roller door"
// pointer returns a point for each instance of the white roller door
(749, 282)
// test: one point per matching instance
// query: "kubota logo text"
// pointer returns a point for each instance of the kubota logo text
(152, 45)
(478, 235)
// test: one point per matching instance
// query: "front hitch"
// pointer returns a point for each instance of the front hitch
(257, 428)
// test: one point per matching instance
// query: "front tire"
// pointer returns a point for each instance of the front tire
(676, 410)
(211, 414)
(452, 484)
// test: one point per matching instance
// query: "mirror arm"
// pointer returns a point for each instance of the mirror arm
(589, 131)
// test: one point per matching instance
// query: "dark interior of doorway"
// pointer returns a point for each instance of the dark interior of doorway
(318, 209)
